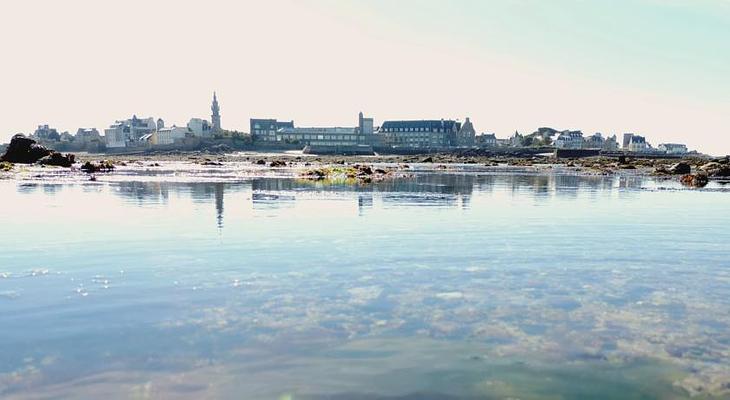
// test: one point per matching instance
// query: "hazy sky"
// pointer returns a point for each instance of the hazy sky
(658, 68)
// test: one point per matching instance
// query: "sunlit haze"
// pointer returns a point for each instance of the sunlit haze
(656, 68)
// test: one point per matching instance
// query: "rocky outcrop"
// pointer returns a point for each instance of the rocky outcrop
(353, 173)
(716, 169)
(680, 168)
(24, 150)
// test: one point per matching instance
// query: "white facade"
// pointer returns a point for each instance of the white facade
(320, 136)
(569, 140)
(200, 127)
(115, 136)
(128, 132)
(673, 148)
(170, 135)
(638, 144)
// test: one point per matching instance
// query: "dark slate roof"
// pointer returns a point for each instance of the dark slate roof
(422, 124)
(269, 123)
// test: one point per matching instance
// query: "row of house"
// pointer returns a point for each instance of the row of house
(568, 139)
(132, 132)
(639, 144)
(436, 134)
(440, 134)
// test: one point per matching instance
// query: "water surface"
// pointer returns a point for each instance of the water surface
(443, 286)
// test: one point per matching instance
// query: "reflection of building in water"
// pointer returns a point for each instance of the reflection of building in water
(364, 201)
(51, 188)
(272, 200)
(145, 192)
(219, 190)
(539, 184)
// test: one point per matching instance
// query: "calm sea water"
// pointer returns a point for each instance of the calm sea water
(443, 286)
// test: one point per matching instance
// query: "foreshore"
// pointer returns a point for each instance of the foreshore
(364, 169)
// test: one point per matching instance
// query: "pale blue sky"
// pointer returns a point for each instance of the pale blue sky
(658, 68)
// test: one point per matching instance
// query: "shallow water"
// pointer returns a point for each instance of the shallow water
(461, 285)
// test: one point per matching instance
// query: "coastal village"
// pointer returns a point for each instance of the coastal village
(400, 142)
(145, 134)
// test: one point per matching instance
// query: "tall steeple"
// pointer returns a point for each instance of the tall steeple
(215, 118)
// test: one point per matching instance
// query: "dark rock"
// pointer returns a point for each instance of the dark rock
(211, 163)
(102, 166)
(24, 150)
(427, 160)
(58, 159)
(680, 168)
(723, 172)
(277, 163)
(260, 162)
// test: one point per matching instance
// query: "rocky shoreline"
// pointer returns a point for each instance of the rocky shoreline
(694, 172)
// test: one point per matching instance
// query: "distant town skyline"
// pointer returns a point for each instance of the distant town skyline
(658, 69)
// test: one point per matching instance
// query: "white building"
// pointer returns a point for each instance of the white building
(200, 127)
(128, 132)
(569, 140)
(673, 148)
(334, 136)
(638, 144)
(169, 135)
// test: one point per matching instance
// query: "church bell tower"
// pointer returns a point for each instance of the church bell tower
(215, 118)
